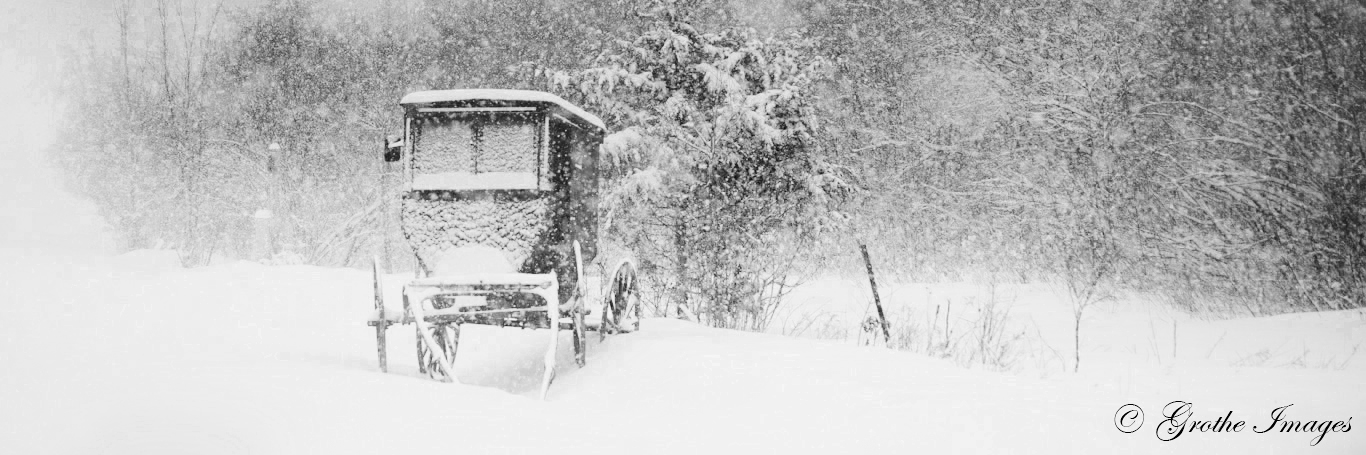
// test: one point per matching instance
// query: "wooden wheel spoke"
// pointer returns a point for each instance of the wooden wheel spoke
(430, 359)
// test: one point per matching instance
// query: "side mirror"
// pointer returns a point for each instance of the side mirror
(393, 149)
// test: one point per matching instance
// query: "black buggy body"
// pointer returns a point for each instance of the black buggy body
(500, 207)
(510, 170)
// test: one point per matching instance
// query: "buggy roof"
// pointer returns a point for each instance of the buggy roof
(504, 97)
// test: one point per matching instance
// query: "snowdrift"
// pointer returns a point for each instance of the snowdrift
(106, 357)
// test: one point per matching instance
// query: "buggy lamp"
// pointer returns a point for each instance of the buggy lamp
(393, 148)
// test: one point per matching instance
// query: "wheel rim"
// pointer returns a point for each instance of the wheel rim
(382, 324)
(580, 331)
(624, 299)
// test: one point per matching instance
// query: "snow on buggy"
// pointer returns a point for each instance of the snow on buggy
(500, 210)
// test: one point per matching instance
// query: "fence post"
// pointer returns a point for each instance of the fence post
(886, 333)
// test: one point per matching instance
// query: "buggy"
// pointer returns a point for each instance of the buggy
(499, 205)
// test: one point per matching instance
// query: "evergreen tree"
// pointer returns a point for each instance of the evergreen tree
(719, 178)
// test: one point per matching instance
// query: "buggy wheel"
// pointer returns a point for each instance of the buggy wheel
(382, 324)
(431, 360)
(623, 301)
(580, 328)
(580, 339)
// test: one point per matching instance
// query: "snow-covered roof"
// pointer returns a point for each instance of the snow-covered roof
(514, 96)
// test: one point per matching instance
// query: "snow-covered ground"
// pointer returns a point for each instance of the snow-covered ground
(131, 354)
(1121, 333)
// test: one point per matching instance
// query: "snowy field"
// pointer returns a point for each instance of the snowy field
(1036, 325)
(132, 354)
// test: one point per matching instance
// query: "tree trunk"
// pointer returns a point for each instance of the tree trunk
(1076, 341)
(680, 300)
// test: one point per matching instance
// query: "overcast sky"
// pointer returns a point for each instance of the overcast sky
(35, 213)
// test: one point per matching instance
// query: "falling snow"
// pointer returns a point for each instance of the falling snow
(856, 226)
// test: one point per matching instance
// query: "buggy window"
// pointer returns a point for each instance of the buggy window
(478, 151)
